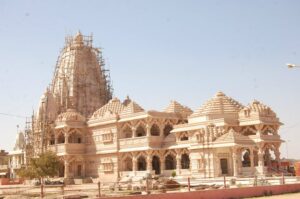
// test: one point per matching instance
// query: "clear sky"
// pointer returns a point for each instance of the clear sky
(158, 51)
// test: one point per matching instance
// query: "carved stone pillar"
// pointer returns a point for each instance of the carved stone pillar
(66, 138)
(161, 130)
(55, 139)
(261, 165)
(133, 131)
(134, 164)
(178, 163)
(149, 163)
(239, 162)
(83, 168)
(235, 162)
(162, 164)
(252, 161)
(148, 132)
(66, 174)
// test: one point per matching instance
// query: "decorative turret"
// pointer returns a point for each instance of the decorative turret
(257, 113)
(20, 142)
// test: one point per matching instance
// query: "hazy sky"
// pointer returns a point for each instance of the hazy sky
(158, 51)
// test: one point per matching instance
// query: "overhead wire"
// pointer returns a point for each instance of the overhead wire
(13, 115)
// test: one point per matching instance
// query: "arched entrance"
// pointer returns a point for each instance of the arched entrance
(185, 161)
(170, 162)
(156, 165)
(141, 164)
(128, 164)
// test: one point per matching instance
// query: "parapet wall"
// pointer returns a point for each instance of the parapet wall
(223, 193)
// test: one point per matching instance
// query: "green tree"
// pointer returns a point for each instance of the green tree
(46, 164)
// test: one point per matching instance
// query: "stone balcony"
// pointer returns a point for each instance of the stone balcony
(140, 142)
(71, 148)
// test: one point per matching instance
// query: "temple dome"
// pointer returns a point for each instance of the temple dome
(220, 104)
(70, 116)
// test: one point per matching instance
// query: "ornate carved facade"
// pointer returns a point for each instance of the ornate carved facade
(115, 140)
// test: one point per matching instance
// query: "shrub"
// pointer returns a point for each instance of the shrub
(173, 174)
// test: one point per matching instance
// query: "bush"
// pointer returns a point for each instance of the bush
(173, 174)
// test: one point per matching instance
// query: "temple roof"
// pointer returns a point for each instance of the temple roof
(70, 115)
(175, 107)
(219, 104)
(113, 106)
(131, 108)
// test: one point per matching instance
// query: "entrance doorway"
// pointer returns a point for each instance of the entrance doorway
(156, 165)
(61, 171)
(79, 170)
(224, 166)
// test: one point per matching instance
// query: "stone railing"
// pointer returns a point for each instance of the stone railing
(154, 141)
(133, 142)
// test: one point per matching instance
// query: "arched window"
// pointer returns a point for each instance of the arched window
(140, 131)
(184, 137)
(141, 164)
(127, 132)
(128, 164)
(61, 138)
(268, 131)
(170, 162)
(75, 137)
(185, 161)
(168, 128)
(155, 130)
(246, 162)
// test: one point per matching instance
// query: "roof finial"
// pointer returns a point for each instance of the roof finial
(78, 38)
(219, 94)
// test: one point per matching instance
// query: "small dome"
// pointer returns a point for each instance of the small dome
(70, 116)
(114, 106)
(219, 104)
(131, 108)
(175, 107)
